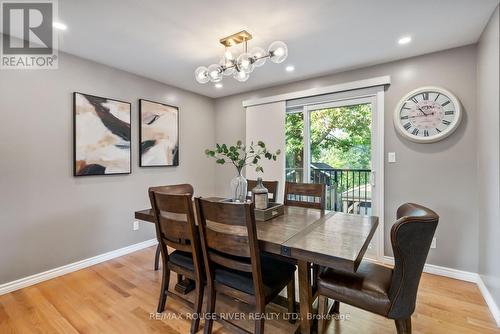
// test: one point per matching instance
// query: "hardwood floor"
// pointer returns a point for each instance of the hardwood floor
(120, 296)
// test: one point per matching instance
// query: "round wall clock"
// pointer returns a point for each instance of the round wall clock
(427, 114)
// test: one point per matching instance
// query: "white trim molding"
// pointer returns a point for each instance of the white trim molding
(372, 82)
(443, 271)
(66, 269)
(488, 298)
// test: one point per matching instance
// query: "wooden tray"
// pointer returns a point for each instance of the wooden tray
(274, 210)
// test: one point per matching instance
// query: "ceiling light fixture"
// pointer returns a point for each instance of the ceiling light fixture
(290, 68)
(242, 65)
(404, 40)
(59, 26)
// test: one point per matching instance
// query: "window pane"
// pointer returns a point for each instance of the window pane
(340, 144)
(341, 137)
(294, 137)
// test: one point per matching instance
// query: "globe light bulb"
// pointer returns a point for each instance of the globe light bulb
(259, 56)
(245, 62)
(201, 75)
(215, 72)
(241, 76)
(278, 52)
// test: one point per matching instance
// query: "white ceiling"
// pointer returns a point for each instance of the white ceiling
(167, 40)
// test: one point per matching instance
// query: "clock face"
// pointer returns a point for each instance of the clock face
(427, 114)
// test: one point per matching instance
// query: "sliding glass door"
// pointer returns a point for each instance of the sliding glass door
(331, 143)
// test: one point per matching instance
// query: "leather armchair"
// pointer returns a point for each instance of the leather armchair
(388, 292)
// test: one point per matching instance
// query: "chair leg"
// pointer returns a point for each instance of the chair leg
(209, 321)
(157, 257)
(290, 294)
(322, 310)
(336, 307)
(403, 326)
(164, 288)
(198, 302)
(259, 322)
(315, 272)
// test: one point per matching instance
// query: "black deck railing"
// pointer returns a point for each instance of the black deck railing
(347, 190)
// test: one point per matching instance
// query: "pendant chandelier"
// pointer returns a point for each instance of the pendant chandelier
(241, 66)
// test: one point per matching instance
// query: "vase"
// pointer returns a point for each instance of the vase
(239, 188)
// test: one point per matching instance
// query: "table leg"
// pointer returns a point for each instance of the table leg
(305, 293)
(185, 286)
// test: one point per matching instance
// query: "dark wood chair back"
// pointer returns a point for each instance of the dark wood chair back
(411, 238)
(175, 221)
(229, 239)
(271, 186)
(308, 195)
(174, 189)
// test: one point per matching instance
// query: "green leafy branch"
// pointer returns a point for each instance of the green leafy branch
(241, 155)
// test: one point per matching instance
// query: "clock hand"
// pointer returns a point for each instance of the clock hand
(421, 111)
(421, 115)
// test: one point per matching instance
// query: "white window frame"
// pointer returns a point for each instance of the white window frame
(375, 97)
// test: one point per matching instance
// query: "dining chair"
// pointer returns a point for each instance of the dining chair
(176, 228)
(234, 263)
(271, 186)
(391, 293)
(178, 189)
(307, 195)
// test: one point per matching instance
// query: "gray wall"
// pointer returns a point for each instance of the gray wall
(488, 154)
(48, 218)
(440, 175)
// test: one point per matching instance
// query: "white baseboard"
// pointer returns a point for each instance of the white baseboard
(443, 271)
(495, 311)
(63, 270)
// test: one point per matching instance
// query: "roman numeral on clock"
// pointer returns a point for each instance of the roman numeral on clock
(404, 117)
(426, 133)
(449, 112)
(415, 132)
(437, 130)
(446, 103)
(445, 122)
(414, 99)
(425, 95)
(407, 126)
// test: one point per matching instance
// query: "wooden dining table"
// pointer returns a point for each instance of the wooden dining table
(311, 236)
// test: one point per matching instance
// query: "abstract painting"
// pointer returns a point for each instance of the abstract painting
(101, 135)
(159, 134)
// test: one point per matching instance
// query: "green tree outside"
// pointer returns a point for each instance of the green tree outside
(340, 137)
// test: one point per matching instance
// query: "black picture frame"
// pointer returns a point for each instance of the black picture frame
(141, 145)
(126, 132)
